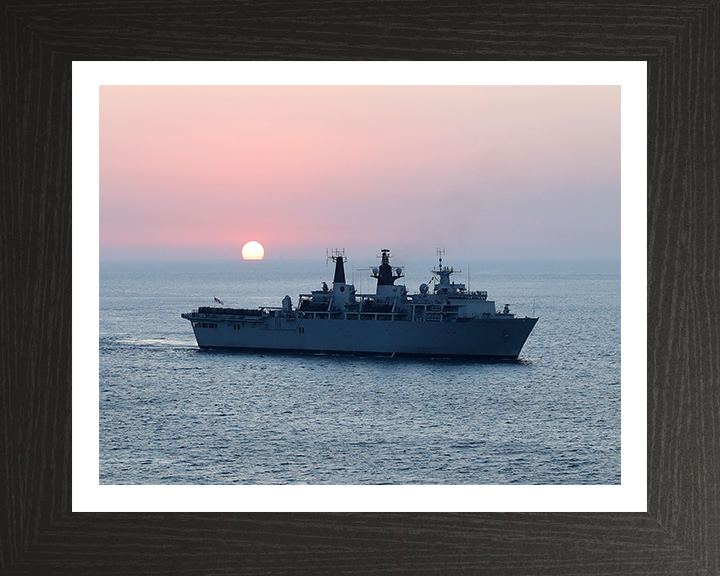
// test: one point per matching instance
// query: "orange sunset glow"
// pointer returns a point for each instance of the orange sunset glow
(511, 171)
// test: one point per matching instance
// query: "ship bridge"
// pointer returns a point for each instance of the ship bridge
(447, 302)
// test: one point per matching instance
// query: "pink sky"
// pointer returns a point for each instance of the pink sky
(486, 172)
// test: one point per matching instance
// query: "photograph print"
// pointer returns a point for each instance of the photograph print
(360, 285)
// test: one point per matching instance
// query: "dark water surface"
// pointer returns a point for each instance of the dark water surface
(173, 414)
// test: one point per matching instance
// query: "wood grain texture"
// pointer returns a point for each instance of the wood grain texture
(681, 532)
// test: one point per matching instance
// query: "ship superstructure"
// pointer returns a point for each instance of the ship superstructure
(445, 320)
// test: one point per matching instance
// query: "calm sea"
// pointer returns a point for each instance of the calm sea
(173, 414)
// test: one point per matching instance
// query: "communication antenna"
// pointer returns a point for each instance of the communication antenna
(334, 254)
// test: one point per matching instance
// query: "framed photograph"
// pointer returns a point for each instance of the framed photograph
(55, 522)
(360, 152)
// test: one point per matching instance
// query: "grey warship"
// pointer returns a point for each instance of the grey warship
(448, 320)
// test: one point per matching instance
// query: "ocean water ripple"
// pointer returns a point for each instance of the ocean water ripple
(173, 414)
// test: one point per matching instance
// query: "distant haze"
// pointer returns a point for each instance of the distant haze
(191, 172)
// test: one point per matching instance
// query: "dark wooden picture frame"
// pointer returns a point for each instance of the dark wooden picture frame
(680, 533)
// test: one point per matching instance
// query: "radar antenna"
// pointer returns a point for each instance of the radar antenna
(385, 273)
(334, 255)
(385, 256)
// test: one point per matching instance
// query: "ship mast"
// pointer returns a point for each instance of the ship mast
(443, 273)
(385, 274)
(337, 255)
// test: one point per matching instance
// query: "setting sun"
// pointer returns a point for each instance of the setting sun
(253, 251)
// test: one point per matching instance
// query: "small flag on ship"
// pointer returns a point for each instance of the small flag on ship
(219, 301)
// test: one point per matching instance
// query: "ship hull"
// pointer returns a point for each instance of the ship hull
(492, 337)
